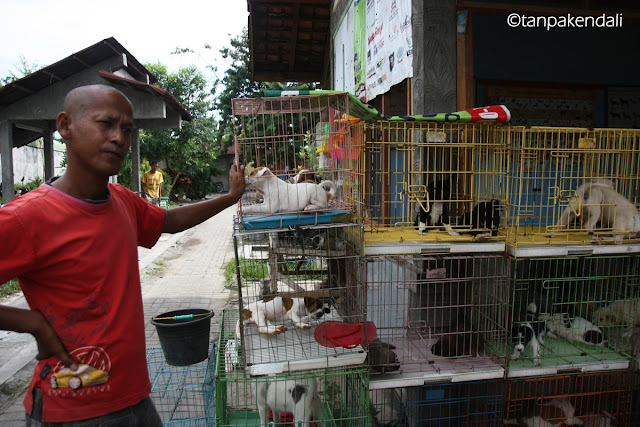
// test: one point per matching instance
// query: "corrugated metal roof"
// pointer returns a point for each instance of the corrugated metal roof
(288, 39)
(69, 66)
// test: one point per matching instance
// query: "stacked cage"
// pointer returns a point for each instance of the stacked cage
(582, 399)
(432, 200)
(574, 191)
(420, 183)
(183, 395)
(572, 239)
(297, 254)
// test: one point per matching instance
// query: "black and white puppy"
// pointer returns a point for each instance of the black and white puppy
(484, 219)
(437, 215)
(298, 397)
(529, 331)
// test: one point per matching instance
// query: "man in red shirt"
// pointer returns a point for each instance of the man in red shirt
(72, 244)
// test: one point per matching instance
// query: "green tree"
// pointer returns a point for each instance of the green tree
(189, 152)
(237, 83)
(23, 69)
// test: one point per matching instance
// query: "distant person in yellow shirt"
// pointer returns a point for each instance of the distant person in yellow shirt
(152, 183)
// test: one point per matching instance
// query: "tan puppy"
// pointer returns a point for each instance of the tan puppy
(600, 202)
(280, 196)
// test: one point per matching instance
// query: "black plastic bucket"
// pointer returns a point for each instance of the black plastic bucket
(184, 335)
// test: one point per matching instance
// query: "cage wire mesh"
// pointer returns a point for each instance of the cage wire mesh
(405, 167)
(473, 403)
(594, 399)
(287, 135)
(333, 396)
(586, 308)
(183, 395)
(440, 316)
(551, 171)
(314, 270)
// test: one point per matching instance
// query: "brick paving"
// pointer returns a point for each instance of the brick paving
(184, 270)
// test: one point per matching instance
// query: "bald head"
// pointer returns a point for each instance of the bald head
(80, 99)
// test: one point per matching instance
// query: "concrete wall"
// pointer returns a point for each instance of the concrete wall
(28, 162)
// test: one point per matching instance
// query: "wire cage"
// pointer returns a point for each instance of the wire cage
(333, 396)
(439, 317)
(183, 395)
(573, 187)
(442, 172)
(473, 403)
(582, 311)
(314, 269)
(287, 135)
(594, 399)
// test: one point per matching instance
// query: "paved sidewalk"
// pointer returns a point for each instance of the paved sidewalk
(183, 270)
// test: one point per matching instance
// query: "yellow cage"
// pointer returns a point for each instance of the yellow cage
(573, 189)
(405, 167)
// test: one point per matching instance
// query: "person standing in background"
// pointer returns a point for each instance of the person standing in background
(152, 183)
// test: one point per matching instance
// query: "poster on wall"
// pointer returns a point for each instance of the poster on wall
(389, 53)
(344, 55)
(373, 47)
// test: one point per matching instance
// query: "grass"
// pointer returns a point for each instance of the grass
(157, 269)
(9, 288)
(252, 270)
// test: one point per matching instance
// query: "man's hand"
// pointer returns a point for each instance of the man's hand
(236, 182)
(49, 344)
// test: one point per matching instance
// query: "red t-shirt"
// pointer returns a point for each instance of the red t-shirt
(77, 264)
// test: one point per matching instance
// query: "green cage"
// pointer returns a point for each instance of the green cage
(340, 397)
(575, 296)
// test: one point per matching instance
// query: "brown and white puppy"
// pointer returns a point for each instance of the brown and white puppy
(296, 396)
(601, 203)
(300, 311)
(305, 175)
(280, 196)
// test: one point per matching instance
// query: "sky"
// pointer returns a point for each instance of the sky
(46, 31)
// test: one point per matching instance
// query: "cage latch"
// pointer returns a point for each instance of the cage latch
(417, 193)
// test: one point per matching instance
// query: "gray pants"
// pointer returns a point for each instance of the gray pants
(143, 414)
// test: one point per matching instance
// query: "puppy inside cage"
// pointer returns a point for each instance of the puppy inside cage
(568, 311)
(295, 152)
(292, 281)
(437, 314)
(602, 399)
(443, 180)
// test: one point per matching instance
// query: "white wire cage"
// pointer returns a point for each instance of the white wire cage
(312, 268)
(437, 317)
(288, 135)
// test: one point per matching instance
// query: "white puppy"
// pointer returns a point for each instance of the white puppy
(618, 313)
(557, 412)
(298, 397)
(601, 203)
(577, 329)
(280, 196)
(278, 309)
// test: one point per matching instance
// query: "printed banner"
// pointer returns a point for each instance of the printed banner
(389, 50)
